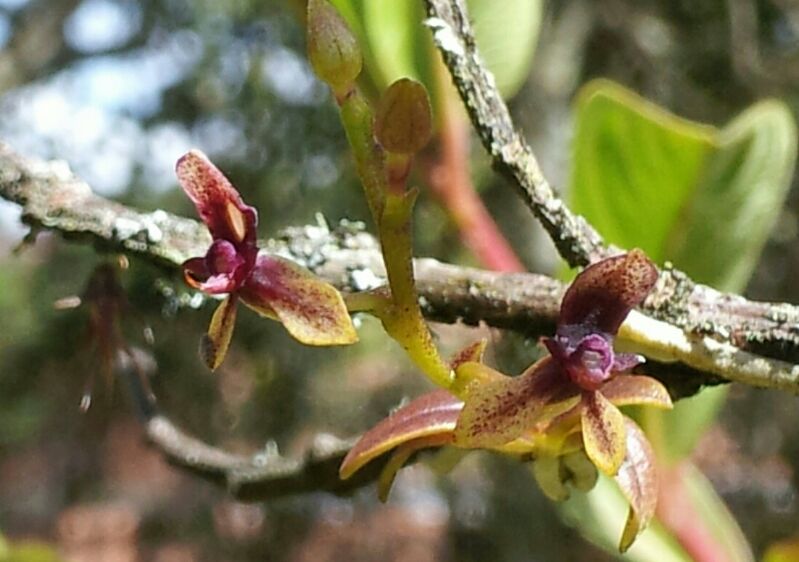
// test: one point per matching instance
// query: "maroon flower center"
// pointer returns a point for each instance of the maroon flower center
(586, 356)
(223, 258)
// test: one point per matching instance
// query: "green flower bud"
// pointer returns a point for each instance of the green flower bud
(404, 119)
(332, 48)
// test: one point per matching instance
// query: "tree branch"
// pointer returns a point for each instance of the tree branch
(710, 337)
(577, 241)
(716, 327)
(693, 335)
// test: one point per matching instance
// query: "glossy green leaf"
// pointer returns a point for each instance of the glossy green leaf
(700, 197)
(397, 39)
(397, 45)
(738, 198)
(635, 165)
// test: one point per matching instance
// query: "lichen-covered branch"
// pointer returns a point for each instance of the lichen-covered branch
(51, 197)
(576, 240)
(715, 324)
(710, 337)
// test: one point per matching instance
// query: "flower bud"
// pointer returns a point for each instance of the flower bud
(332, 48)
(404, 120)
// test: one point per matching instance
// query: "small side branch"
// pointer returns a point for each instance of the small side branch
(576, 240)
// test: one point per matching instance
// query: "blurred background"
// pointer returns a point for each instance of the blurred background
(121, 88)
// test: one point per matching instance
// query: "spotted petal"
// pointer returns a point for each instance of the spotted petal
(311, 310)
(218, 203)
(639, 390)
(605, 292)
(603, 432)
(215, 343)
(500, 410)
(472, 353)
(624, 390)
(432, 414)
(637, 478)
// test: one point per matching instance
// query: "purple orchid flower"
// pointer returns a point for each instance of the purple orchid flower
(566, 402)
(311, 310)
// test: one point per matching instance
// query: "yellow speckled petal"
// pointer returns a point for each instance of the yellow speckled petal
(603, 432)
(311, 310)
(215, 343)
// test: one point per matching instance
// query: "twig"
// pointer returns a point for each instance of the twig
(576, 240)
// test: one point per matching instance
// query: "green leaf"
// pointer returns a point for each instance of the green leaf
(397, 39)
(738, 198)
(506, 33)
(397, 45)
(601, 514)
(635, 166)
(682, 427)
(700, 197)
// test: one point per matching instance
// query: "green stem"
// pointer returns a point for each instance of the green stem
(358, 119)
(405, 322)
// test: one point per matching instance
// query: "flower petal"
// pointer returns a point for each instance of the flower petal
(625, 361)
(401, 455)
(502, 409)
(435, 413)
(215, 343)
(311, 310)
(637, 478)
(603, 432)
(550, 478)
(628, 390)
(605, 292)
(471, 353)
(624, 390)
(218, 203)
(580, 471)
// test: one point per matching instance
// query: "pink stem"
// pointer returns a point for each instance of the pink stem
(449, 179)
(678, 513)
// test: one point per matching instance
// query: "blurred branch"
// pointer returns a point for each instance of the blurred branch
(266, 474)
(755, 71)
(36, 44)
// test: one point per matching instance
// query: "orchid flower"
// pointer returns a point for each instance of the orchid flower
(562, 407)
(311, 310)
